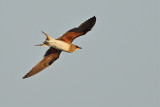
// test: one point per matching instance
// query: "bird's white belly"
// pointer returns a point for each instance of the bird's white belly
(60, 45)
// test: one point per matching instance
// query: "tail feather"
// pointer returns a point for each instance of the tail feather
(41, 45)
(48, 37)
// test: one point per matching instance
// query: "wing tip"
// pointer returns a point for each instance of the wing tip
(93, 18)
(88, 25)
(25, 77)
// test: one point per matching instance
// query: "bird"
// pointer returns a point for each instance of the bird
(63, 43)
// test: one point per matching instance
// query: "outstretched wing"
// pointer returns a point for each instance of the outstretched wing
(50, 56)
(70, 35)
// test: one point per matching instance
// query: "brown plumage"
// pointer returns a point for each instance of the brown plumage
(53, 54)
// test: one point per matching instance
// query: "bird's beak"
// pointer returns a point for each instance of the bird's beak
(41, 45)
(79, 48)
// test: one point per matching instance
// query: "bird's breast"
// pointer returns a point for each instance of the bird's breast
(60, 45)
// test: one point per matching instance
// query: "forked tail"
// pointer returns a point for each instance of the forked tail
(48, 38)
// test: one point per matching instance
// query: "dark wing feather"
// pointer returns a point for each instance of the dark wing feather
(50, 56)
(70, 35)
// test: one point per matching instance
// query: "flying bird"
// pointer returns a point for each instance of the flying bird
(63, 43)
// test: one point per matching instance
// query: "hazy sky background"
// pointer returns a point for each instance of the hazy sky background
(118, 65)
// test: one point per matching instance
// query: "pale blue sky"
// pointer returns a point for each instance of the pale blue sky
(118, 65)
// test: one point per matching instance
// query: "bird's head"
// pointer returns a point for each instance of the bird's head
(77, 48)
